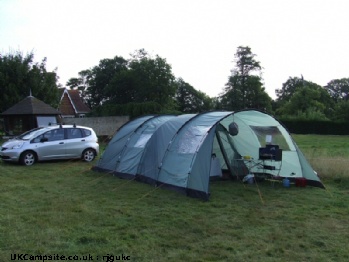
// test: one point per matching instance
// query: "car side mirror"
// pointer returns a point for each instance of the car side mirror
(44, 139)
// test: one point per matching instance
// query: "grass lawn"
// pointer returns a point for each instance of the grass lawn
(64, 208)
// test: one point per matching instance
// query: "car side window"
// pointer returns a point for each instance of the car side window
(74, 133)
(86, 132)
(37, 139)
(54, 135)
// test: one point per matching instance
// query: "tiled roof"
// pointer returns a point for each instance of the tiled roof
(65, 106)
(80, 106)
(71, 103)
(31, 106)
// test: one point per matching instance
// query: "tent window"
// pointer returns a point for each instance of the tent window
(142, 140)
(191, 139)
(271, 134)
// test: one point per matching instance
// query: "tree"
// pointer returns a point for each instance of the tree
(304, 101)
(245, 88)
(99, 84)
(288, 89)
(338, 89)
(299, 97)
(191, 100)
(44, 84)
(20, 75)
(152, 78)
(341, 111)
(141, 79)
(81, 83)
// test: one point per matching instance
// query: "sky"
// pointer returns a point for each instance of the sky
(198, 38)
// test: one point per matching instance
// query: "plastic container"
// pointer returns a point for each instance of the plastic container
(301, 182)
(286, 182)
(250, 180)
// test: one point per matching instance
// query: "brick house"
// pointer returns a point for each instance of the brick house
(71, 104)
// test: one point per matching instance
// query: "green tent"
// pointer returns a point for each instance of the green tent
(185, 152)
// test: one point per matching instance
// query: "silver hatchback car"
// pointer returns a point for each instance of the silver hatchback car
(52, 142)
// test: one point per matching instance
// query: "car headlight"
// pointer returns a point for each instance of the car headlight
(17, 146)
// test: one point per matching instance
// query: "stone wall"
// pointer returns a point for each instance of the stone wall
(103, 126)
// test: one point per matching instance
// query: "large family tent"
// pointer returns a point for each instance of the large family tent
(182, 152)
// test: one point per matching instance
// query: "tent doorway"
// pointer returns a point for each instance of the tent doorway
(227, 155)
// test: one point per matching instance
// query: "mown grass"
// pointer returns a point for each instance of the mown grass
(328, 155)
(65, 208)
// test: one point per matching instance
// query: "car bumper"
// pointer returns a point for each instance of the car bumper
(9, 156)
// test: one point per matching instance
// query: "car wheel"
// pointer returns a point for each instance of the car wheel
(28, 158)
(88, 155)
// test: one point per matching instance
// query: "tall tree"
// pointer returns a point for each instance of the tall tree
(245, 88)
(19, 75)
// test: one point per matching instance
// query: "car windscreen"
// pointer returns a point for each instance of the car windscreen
(30, 134)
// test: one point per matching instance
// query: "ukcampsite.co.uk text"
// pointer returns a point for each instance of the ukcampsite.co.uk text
(58, 257)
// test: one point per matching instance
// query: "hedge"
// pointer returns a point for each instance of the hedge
(316, 127)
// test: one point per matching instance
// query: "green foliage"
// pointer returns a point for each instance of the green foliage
(190, 100)
(245, 61)
(19, 75)
(141, 85)
(245, 90)
(303, 100)
(141, 79)
(101, 83)
(341, 111)
(153, 79)
(309, 114)
(289, 88)
(338, 89)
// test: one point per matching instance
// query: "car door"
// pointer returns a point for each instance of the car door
(51, 145)
(75, 142)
